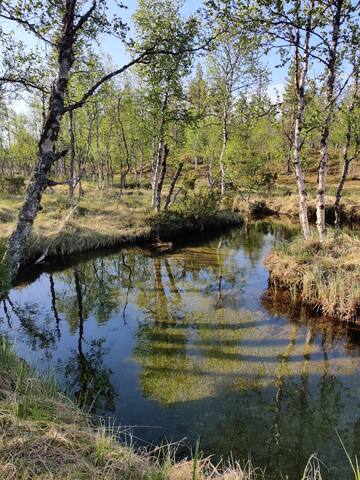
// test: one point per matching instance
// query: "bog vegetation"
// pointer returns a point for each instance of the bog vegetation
(172, 136)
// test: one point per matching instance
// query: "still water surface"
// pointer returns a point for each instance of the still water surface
(186, 344)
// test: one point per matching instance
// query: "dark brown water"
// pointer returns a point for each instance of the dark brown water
(185, 345)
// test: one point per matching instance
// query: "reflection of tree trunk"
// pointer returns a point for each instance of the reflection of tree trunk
(79, 298)
(280, 385)
(128, 268)
(161, 299)
(171, 278)
(324, 382)
(81, 356)
(7, 315)
(303, 394)
(53, 305)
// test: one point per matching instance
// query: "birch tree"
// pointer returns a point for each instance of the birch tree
(232, 68)
(335, 41)
(351, 148)
(301, 62)
(66, 27)
(164, 76)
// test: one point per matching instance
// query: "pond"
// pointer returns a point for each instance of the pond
(186, 345)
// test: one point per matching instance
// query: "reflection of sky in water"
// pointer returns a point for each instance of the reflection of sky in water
(184, 345)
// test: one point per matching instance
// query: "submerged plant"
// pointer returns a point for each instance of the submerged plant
(312, 469)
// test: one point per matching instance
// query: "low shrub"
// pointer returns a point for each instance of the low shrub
(12, 185)
(199, 206)
(135, 184)
(189, 180)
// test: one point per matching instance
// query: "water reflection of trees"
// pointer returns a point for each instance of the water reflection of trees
(239, 386)
(86, 376)
(244, 381)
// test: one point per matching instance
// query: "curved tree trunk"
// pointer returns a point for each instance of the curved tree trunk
(46, 146)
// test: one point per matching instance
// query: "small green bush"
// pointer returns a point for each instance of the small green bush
(189, 180)
(12, 185)
(199, 205)
(134, 184)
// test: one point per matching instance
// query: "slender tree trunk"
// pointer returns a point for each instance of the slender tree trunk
(301, 68)
(162, 167)
(324, 154)
(344, 174)
(154, 170)
(72, 162)
(223, 147)
(123, 170)
(172, 186)
(346, 158)
(158, 156)
(141, 166)
(46, 146)
(210, 177)
(288, 160)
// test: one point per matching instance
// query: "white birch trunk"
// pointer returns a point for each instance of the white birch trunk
(301, 65)
(324, 154)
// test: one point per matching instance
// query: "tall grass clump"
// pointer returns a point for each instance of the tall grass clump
(326, 275)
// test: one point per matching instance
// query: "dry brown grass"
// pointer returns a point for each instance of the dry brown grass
(102, 219)
(284, 199)
(326, 276)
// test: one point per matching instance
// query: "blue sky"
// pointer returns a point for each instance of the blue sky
(114, 47)
(117, 51)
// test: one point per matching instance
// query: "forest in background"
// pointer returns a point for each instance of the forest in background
(192, 106)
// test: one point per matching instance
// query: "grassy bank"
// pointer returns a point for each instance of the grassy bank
(324, 276)
(104, 218)
(44, 435)
(284, 200)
